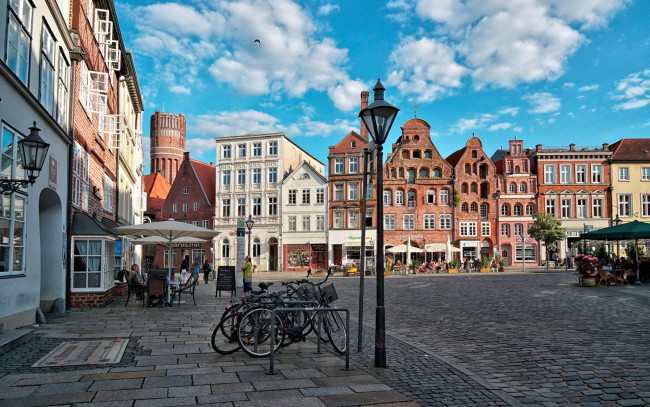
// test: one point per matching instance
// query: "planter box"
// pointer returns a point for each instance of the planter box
(587, 282)
(485, 270)
(387, 273)
(318, 273)
(451, 271)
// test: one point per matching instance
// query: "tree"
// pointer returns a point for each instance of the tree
(546, 229)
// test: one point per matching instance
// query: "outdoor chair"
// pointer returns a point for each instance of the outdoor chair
(189, 287)
(605, 278)
(156, 288)
(137, 291)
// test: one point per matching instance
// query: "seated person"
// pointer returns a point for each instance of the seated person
(135, 277)
(608, 267)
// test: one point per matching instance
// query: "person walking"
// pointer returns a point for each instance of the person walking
(247, 268)
(207, 269)
(196, 270)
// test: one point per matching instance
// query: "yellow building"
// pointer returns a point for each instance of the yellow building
(630, 179)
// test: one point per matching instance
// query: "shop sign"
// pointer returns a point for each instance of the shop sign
(318, 247)
(469, 243)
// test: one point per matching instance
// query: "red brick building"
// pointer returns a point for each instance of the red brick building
(417, 190)
(167, 143)
(190, 200)
(517, 202)
(157, 188)
(475, 189)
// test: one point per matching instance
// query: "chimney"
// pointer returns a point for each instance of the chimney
(572, 147)
(364, 103)
(186, 155)
(538, 147)
(605, 146)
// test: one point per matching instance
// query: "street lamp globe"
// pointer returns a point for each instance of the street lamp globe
(249, 223)
(33, 150)
(379, 115)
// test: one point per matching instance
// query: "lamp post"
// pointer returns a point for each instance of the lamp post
(32, 150)
(617, 221)
(378, 118)
(249, 225)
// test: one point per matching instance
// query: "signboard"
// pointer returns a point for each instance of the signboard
(51, 181)
(225, 279)
(118, 247)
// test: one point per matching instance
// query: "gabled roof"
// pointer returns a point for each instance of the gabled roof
(631, 149)
(352, 135)
(455, 156)
(308, 167)
(206, 174)
(157, 188)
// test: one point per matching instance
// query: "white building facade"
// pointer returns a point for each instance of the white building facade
(250, 169)
(304, 219)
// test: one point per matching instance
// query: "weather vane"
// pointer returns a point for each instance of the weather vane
(415, 108)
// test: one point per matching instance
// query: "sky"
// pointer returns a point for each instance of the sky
(546, 71)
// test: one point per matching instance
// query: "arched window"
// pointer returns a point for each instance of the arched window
(406, 154)
(517, 210)
(468, 169)
(257, 247)
(473, 207)
(401, 172)
(512, 188)
(522, 187)
(517, 170)
(474, 188)
(225, 248)
(530, 209)
(463, 188)
(427, 154)
(484, 211)
(410, 200)
(399, 197)
(423, 173)
(463, 207)
(392, 172)
(474, 155)
(410, 176)
(483, 171)
(436, 173)
(505, 210)
(416, 153)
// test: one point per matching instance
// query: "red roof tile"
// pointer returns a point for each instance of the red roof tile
(631, 149)
(207, 175)
(157, 188)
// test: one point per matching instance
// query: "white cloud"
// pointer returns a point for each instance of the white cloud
(180, 89)
(588, 88)
(500, 126)
(203, 145)
(347, 96)
(633, 92)
(227, 124)
(487, 120)
(542, 102)
(307, 127)
(568, 85)
(512, 111)
(326, 9)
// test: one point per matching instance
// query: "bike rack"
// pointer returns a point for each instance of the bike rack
(319, 311)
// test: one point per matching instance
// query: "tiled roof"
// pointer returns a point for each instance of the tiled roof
(157, 188)
(207, 177)
(632, 149)
(455, 156)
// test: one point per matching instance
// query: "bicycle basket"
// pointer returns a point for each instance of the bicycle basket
(307, 292)
(328, 294)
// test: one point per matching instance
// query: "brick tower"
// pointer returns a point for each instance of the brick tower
(167, 143)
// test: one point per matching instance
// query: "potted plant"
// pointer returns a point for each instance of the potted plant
(485, 264)
(452, 266)
(319, 272)
(586, 266)
(254, 268)
(502, 264)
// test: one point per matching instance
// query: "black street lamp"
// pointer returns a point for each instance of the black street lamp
(378, 118)
(32, 150)
(617, 221)
(249, 225)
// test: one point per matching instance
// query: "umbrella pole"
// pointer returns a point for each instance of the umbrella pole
(169, 268)
(636, 251)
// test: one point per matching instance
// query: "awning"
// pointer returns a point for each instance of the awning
(85, 225)
(436, 247)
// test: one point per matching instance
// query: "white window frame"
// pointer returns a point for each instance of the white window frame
(387, 196)
(46, 82)
(581, 173)
(241, 177)
(80, 180)
(645, 173)
(410, 200)
(105, 260)
(257, 206)
(306, 196)
(273, 175)
(273, 206)
(338, 165)
(565, 174)
(581, 208)
(338, 192)
(431, 197)
(292, 197)
(225, 208)
(174, 207)
(257, 149)
(408, 221)
(549, 174)
(320, 222)
(196, 205)
(186, 206)
(107, 202)
(186, 190)
(306, 223)
(518, 229)
(353, 191)
(241, 207)
(353, 219)
(597, 208)
(389, 221)
(320, 196)
(467, 228)
(12, 237)
(505, 229)
(624, 205)
(205, 224)
(273, 148)
(353, 165)
(18, 45)
(549, 206)
(429, 221)
(444, 221)
(645, 205)
(337, 220)
(596, 173)
(226, 177)
(257, 176)
(399, 198)
(226, 151)
(444, 196)
(241, 150)
(565, 208)
(486, 229)
(62, 91)
(623, 174)
(292, 223)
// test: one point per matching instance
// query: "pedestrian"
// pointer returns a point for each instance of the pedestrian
(196, 270)
(247, 269)
(185, 266)
(207, 269)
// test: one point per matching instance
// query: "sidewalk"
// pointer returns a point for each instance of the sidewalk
(168, 360)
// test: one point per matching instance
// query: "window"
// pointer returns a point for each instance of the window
(353, 219)
(48, 47)
(195, 222)
(410, 200)
(431, 197)
(338, 192)
(241, 150)
(623, 174)
(257, 247)
(292, 196)
(257, 176)
(429, 221)
(18, 38)
(389, 222)
(399, 197)
(225, 248)
(338, 219)
(565, 207)
(473, 207)
(320, 195)
(273, 148)
(108, 194)
(550, 206)
(505, 230)
(423, 173)
(463, 207)
(444, 196)
(522, 187)
(306, 196)
(186, 206)
(241, 177)
(205, 224)
(581, 171)
(320, 222)
(565, 174)
(292, 223)
(484, 211)
(474, 188)
(624, 205)
(531, 255)
(410, 176)
(645, 173)
(62, 92)
(80, 181)
(505, 210)
(174, 207)
(89, 271)
(597, 208)
(409, 221)
(257, 206)
(273, 175)
(486, 228)
(468, 228)
(512, 188)
(645, 205)
(353, 144)
(445, 222)
(517, 210)
(273, 206)
(530, 209)
(549, 174)
(257, 149)
(226, 177)
(427, 153)
(596, 173)
(581, 206)
(354, 165)
(12, 243)
(338, 166)
(226, 151)
(353, 191)
(241, 207)
(387, 195)
(226, 208)
(436, 173)
(519, 229)
(186, 190)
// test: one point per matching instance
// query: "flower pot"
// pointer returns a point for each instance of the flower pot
(387, 273)
(484, 270)
(451, 271)
(587, 282)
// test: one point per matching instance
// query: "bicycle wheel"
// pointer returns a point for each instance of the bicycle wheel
(314, 318)
(335, 328)
(224, 336)
(254, 332)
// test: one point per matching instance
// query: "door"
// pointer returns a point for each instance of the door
(273, 254)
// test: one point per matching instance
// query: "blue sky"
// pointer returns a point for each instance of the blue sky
(546, 71)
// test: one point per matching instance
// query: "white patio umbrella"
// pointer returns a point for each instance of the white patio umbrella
(403, 249)
(168, 230)
(159, 240)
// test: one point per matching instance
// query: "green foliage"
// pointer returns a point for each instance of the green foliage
(546, 229)
(456, 198)
(503, 262)
(485, 262)
(601, 252)
(630, 252)
(453, 263)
